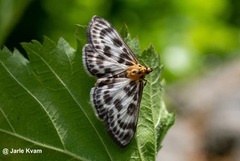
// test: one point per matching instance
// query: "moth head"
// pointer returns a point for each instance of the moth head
(138, 72)
(148, 70)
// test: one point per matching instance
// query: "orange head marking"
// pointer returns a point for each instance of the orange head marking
(138, 72)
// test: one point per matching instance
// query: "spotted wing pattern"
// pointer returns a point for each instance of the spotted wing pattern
(106, 55)
(116, 101)
(116, 98)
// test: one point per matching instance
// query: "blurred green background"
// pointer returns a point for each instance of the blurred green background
(191, 36)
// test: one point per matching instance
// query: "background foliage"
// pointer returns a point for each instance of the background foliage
(193, 34)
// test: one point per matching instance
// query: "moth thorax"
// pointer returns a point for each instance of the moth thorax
(138, 72)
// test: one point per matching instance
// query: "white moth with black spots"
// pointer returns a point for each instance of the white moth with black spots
(117, 93)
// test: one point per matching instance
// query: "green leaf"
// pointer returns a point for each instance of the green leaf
(154, 119)
(45, 105)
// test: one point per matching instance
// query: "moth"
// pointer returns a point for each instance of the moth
(118, 91)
